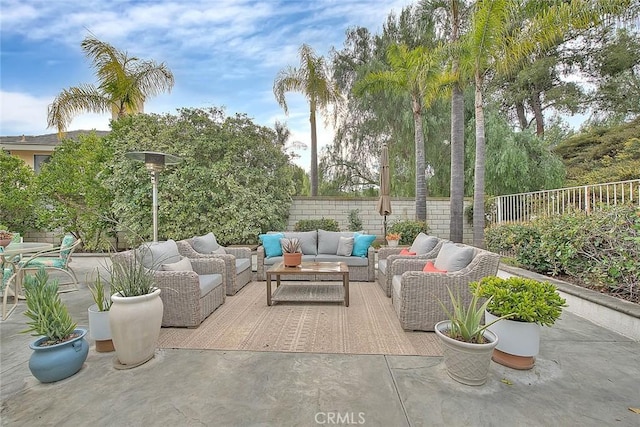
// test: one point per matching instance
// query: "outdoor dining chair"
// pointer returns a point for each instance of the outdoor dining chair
(54, 259)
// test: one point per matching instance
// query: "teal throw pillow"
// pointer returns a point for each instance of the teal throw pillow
(271, 243)
(361, 243)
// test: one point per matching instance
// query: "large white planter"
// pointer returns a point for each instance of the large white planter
(135, 327)
(517, 338)
(392, 243)
(466, 363)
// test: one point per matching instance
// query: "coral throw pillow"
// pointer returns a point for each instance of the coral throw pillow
(407, 252)
(430, 268)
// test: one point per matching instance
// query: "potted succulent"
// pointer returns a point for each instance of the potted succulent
(291, 252)
(136, 311)
(62, 349)
(531, 303)
(393, 239)
(467, 343)
(99, 317)
(5, 237)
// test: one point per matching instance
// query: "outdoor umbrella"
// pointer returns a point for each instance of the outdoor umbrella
(384, 203)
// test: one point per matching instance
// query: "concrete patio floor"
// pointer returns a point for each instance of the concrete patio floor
(585, 375)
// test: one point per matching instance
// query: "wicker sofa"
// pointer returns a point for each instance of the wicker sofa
(188, 297)
(425, 247)
(237, 262)
(416, 295)
(321, 246)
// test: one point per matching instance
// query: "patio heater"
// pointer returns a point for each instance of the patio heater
(154, 162)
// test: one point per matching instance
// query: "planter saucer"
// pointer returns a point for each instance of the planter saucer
(522, 363)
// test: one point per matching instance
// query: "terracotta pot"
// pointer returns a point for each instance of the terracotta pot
(5, 242)
(135, 327)
(519, 342)
(292, 260)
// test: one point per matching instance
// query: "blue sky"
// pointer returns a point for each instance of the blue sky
(222, 53)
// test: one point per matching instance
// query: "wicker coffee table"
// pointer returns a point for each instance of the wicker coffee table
(312, 292)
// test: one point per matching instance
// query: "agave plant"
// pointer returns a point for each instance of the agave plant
(291, 246)
(49, 316)
(100, 297)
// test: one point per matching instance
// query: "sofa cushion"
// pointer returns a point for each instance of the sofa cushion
(308, 240)
(158, 253)
(454, 257)
(183, 265)
(328, 240)
(361, 243)
(423, 244)
(205, 244)
(219, 251)
(430, 268)
(271, 243)
(351, 261)
(242, 264)
(345, 246)
(209, 282)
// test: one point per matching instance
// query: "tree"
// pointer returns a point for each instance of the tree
(414, 72)
(124, 84)
(16, 197)
(313, 80)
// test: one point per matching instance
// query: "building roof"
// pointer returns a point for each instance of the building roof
(42, 142)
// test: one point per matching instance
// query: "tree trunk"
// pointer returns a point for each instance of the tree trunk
(522, 117)
(456, 212)
(537, 113)
(314, 150)
(478, 187)
(421, 187)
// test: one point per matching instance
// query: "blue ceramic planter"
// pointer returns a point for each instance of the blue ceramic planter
(59, 361)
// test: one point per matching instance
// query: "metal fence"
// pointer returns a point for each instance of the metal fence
(527, 206)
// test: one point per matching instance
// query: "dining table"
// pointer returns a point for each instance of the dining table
(10, 257)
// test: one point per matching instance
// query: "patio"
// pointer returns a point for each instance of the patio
(585, 375)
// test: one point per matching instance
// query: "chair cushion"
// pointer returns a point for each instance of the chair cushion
(67, 241)
(345, 246)
(423, 244)
(242, 264)
(328, 241)
(183, 265)
(351, 261)
(382, 266)
(219, 251)
(308, 240)
(44, 262)
(407, 252)
(430, 268)
(205, 244)
(209, 282)
(271, 244)
(156, 254)
(454, 257)
(361, 243)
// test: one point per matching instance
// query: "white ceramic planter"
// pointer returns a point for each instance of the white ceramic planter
(392, 243)
(99, 328)
(516, 338)
(135, 327)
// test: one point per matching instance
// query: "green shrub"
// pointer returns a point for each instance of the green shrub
(408, 230)
(317, 224)
(355, 223)
(521, 299)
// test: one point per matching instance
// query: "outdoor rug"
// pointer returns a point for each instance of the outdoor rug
(244, 322)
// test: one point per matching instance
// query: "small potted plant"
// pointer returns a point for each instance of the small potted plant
(467, 343)
(393, 239)
(531, 304)
(62, 349)
(291, 252)
(5, 238)
(99, 316)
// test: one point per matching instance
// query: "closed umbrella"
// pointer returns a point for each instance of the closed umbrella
(384, 202)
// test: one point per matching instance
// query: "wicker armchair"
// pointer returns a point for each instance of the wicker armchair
(386, 256)
(186, 302)
(237, 262)
(416, 295)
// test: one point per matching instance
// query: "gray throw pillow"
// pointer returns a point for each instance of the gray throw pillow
(205, 244)
(454, 257)
(219, 251)
(423, 244)
(183, 265)
(156, 254)
(345, 246)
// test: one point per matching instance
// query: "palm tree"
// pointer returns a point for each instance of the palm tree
(415, 72)
(124, 84)
(313, 80)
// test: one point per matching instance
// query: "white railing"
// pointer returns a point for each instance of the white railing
(526, 206)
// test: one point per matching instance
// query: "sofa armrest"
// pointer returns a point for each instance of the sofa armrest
(239, 252)
(210, 265)
(383, 253)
